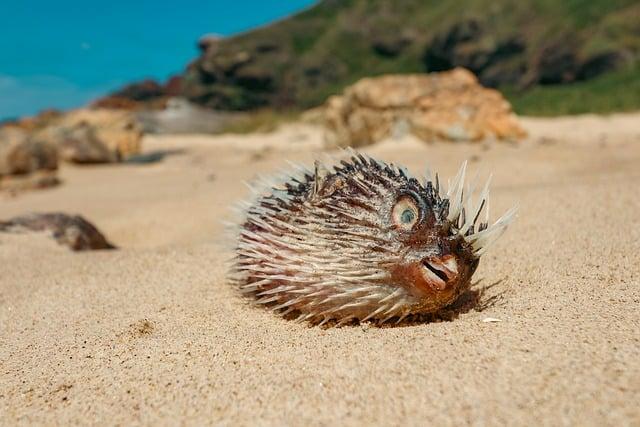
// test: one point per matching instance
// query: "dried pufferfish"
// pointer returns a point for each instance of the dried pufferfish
(361, 240)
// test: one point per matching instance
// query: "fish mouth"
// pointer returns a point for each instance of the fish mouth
(440, 272)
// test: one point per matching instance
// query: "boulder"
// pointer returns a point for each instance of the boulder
(21, 155)
(450, 106)
(70, 230)
(94, 136)
(80, 144)
(25, 163)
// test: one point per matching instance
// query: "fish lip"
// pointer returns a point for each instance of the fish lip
(440, 272)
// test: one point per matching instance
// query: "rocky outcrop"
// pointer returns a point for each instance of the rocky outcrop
(232, 80)
(70, 230)
(297, 62)
(25, 163)
(449, 106)
(93, 136)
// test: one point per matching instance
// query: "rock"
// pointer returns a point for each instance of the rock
(21, 155)
(232, 79)
(449, 105)
(24, 163)
(72, 231)
(94, 136)
(80, 144)
(209, 42)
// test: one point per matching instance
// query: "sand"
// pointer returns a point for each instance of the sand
(152, 334)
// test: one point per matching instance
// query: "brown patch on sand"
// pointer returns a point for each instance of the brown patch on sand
(141, 328)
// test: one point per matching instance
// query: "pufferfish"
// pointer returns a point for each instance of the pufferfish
(360, 240)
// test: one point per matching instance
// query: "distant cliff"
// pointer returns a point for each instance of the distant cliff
(515, 45)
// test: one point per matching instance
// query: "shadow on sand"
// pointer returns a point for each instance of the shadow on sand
(152, 157)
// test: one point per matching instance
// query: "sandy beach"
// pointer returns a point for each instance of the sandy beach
(152, 334)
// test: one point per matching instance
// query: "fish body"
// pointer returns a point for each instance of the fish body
(361, 239)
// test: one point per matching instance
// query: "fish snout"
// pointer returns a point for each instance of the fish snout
(440, 272)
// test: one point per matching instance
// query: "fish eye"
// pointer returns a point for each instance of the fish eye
(405, 213)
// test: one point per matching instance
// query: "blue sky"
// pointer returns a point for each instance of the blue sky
(64, 53)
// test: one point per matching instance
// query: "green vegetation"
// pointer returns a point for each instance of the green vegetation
(618, 91)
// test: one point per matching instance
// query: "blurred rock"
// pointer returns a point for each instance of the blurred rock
(94, 136)
(232, 79)
(72, 231)
(209, 42)
(449, 105)
(24, 163)
(80, 144)
(21, 155)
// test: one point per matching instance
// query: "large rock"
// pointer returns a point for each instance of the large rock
(439, 106)
(25, 163)
(94, 136)
(21, 155)
(69, 230)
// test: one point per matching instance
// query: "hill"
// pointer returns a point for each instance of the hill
(549, 57)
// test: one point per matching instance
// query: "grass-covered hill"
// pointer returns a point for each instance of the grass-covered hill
(548, 56)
